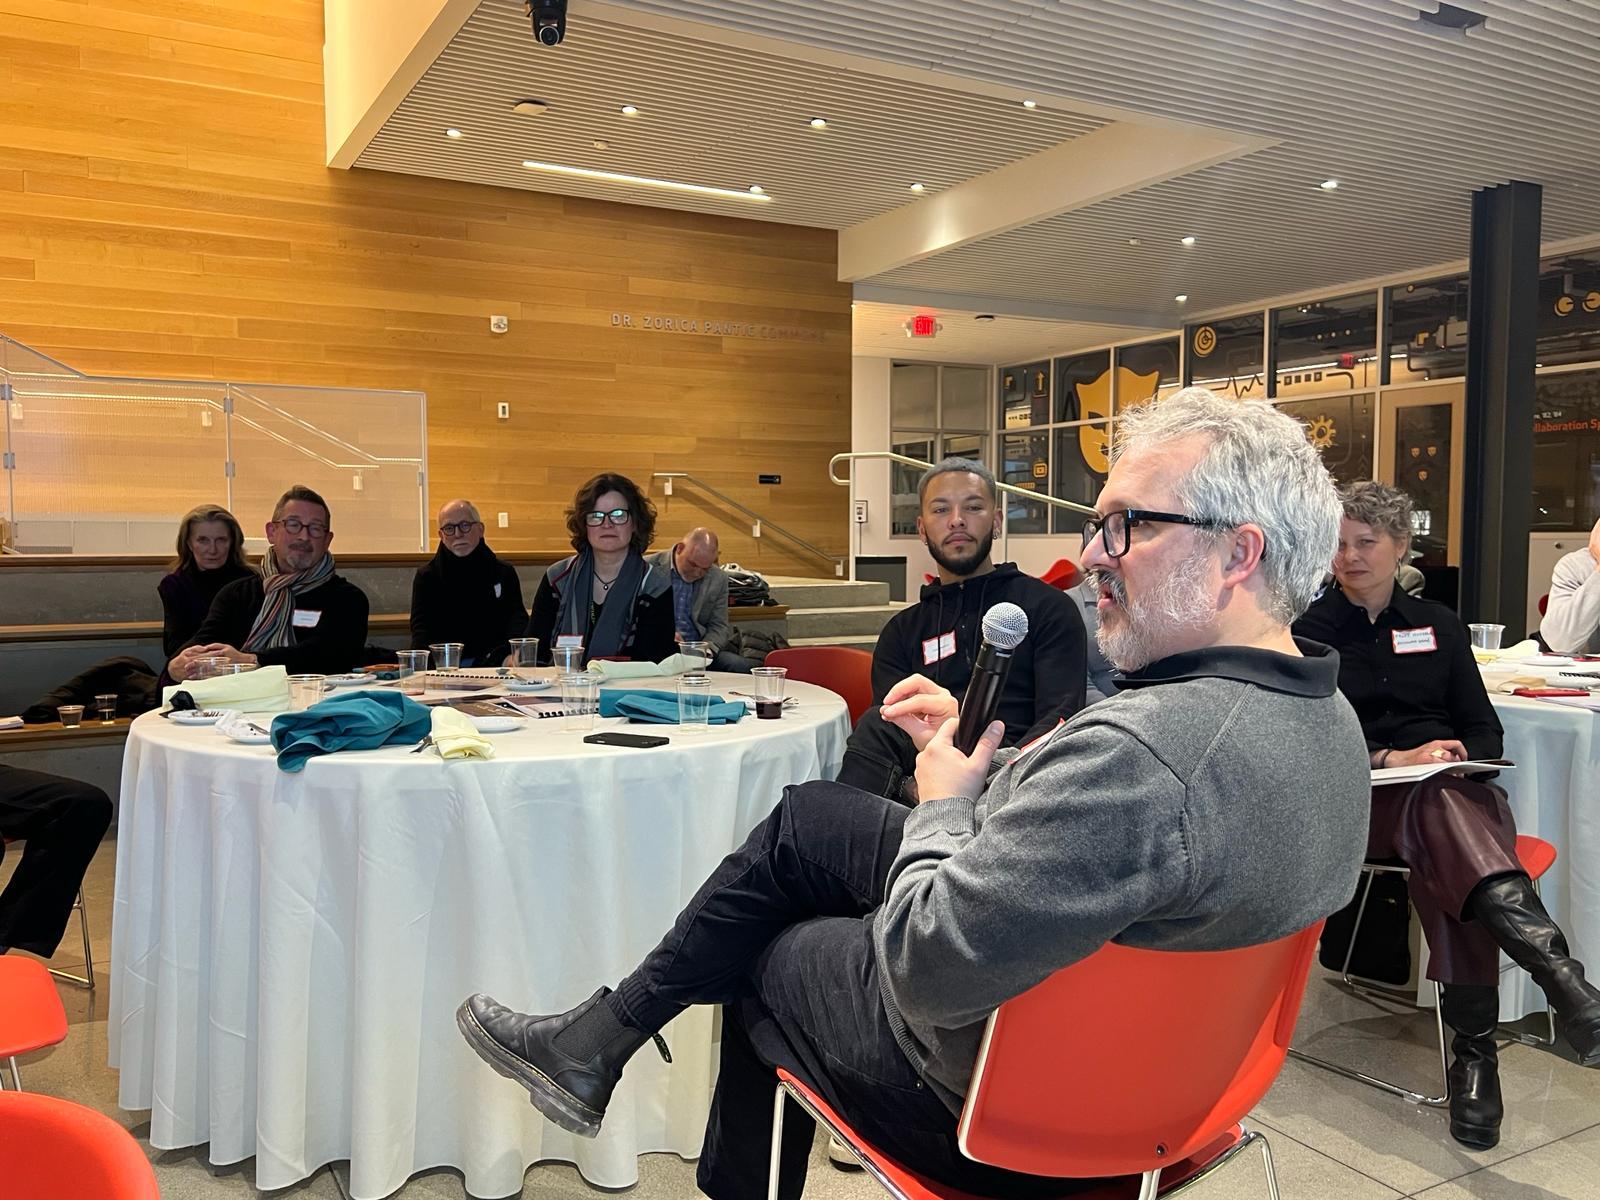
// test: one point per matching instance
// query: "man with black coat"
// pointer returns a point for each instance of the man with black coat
(466, 593)
(938, 638)
(295, 611)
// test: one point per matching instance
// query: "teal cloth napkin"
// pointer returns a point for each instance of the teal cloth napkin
(348, 721)
(661, 708)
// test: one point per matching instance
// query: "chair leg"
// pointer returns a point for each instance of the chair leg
(86, 980)
(1266, 1162)
(16, 1079)
(775, 1163)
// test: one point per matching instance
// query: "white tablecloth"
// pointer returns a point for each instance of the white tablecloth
(288, 950)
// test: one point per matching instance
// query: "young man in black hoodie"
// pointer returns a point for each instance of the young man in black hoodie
(466, 593)
(938, 637)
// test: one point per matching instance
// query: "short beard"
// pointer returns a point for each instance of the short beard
(964, 566)
(1180, 603)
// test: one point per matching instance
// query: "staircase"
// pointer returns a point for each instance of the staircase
(833, 612)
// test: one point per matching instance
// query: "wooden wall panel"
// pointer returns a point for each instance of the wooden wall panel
(164, 210)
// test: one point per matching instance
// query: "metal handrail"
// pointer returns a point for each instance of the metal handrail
(761, 523)
(1012, 489)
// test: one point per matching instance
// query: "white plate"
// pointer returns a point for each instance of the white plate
(204, 716)
(530, 685)
(349, 680)
(503, 724)
(245, 738)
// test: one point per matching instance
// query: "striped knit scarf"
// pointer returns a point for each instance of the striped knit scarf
(274, 623)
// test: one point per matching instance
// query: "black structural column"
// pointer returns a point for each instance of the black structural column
(1502, 314)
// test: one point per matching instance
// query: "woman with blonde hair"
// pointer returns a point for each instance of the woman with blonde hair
(210, 556)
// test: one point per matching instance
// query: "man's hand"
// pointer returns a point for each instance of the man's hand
(183, 662)
(1438, 751)
(1594, 545)
(918, 706)
(942, 770)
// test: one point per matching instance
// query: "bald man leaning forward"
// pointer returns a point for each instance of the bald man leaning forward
(700, 597)
(465, 593)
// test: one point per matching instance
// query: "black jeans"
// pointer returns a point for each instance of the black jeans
(781, 935)
(62, 821)
(878, 757)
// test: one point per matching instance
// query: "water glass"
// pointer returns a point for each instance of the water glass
(209, 666)
(105, 703)
(694, 701)
(71, 715)
(447, 655)
(700, 650)
(769, 684)
(413, 671)
(525, 658)
(568, 659)
(580, 700)
(304, 691)
(1486, 637)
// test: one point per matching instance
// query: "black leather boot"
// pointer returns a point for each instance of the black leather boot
(1473, 1011)
(1511, 911)
(569, 1062)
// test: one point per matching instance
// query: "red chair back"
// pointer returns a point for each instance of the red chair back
(1544, 603)
(842, 669)
(1535, 855)
(53, 1148)
(31, 1016)
(1063, 575)
(1133, 1059)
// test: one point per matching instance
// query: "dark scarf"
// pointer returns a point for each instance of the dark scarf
(204, 585)
(471, 572)
(609, 637)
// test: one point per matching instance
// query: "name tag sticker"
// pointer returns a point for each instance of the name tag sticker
(575, 640)
(937, 649)
(1415, 641)
(497, 591)
(307, 618)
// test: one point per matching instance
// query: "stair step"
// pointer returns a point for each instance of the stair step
(859, 643)
(798, 592)
(837, 622)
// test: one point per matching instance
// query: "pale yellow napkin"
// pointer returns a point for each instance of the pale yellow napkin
(454, 735)
(673, 664)
(266, 689)
(1523, 649)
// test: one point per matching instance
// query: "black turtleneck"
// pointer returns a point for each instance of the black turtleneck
(186, 597)
(474, 599)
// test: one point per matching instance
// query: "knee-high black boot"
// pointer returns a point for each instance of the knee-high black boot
(1511, 911)
(1473, 1011)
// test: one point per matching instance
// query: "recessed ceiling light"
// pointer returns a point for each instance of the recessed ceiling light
(1133, 241)
(917, 187)
(628, 110)
(756, 189)
(1186, 241)
(602, 145)
(530, 108)
(818, 123)
(1328, 185)
(454, 133)
(985, 317)
(1182, 297)
(1030, 104)
(644, 181)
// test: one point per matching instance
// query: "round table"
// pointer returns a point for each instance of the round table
(288, 950)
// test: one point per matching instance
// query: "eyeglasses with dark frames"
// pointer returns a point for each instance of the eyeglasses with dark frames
(617, 516)
(1116, 528)
(459, 527)
(296, 527)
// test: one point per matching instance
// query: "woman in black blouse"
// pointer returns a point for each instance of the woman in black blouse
(1406, 666)
(210, 555)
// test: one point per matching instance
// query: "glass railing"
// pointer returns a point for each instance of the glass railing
(103, 465)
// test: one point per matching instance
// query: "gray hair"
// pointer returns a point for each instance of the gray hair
(963, 466)
(472, 509)
(1386, 509)
(1258, 469)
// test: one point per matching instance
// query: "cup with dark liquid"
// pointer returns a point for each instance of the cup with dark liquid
(769, 684)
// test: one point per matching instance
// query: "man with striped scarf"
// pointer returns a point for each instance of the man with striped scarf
(294, 611)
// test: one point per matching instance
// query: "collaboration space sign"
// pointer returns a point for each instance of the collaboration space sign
(713, 327)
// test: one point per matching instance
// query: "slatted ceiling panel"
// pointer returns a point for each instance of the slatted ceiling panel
(878, 329)
(709, 114)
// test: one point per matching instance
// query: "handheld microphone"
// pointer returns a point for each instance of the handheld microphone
(1004, 627)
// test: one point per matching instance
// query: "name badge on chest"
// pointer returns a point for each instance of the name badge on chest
(937, 649)
(497, 591)
(307, 618)
(1415, 641)
(575, 640)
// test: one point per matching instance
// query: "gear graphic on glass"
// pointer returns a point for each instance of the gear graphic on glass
(1321, 432)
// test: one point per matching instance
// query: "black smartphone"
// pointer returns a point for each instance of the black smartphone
(638, 740)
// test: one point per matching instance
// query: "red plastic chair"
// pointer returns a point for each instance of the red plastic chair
(52, 1149)
(31, 1016)
(1075, 1079)
(841, 669)
(1063, 575)
(1544, 603)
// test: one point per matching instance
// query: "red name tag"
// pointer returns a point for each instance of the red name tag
(1415, 641)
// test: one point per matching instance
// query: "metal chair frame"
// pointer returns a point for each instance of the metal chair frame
(81, 907)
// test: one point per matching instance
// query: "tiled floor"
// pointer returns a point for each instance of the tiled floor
(1332, 1139)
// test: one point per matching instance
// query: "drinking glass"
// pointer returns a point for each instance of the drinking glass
(700, 650)
(525, 658)
(1486, 637)
(413, 671)
(209, 666)
(447, 655)
(71, 715)
(694, 701)
(769, 684)
(568, 659)
(105, 703)
(304, 691)
(580, 700)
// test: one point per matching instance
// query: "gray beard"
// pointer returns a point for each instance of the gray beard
(1145, 633)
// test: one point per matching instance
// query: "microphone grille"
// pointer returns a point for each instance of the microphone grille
(1005, 625)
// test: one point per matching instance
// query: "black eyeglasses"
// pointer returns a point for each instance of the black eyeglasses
(459, 527)
(1116, 528)
(617, 516)
(296, 527)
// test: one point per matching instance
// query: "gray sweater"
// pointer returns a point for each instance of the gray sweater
(1219, 800)
(1571, 622)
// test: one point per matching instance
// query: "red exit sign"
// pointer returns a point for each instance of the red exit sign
(922, 326)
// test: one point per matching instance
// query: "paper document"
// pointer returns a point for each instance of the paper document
(1425, 770)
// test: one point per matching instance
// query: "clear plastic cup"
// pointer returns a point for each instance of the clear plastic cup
(568, 659)
(580, 700)
(525, 658)
(700, 650)
(304, 691)
(105, 704)
(71, 715)
(447, 655)
(1486, 637)
(209, 666)
(694, 701)
(769, 685)
(413, 671)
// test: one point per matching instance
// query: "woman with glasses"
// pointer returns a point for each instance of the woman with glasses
(606, 597)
